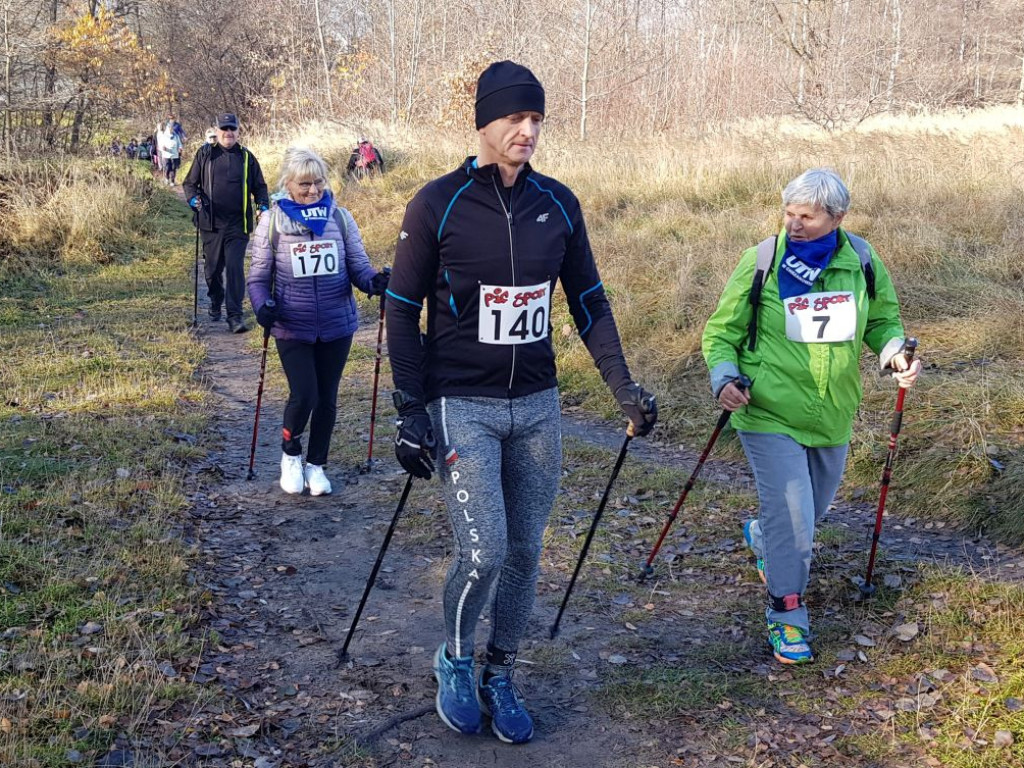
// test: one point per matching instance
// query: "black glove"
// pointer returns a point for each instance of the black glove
(414, 442)
(379, 282)
(639, 406)
(268, 314)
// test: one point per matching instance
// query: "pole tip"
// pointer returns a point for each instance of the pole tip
(250, 475)
(553, 632)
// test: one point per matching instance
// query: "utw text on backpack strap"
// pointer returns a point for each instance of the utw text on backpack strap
(763, 268)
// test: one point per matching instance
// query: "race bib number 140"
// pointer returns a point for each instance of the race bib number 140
(314, 258)
(821, 317)
(514, 314)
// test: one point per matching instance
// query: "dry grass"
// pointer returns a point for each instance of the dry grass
(938, 195)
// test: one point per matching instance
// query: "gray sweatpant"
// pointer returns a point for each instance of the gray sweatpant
(795, 485)
(500, 462)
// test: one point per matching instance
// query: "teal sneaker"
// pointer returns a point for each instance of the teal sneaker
(500, 699)
(456, 700)
(789, 644)
(747, 537)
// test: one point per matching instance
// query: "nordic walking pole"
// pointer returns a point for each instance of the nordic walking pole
(867, 589)
(195, 283)
(259, 397)
(648, 569)
(593, 528)
(343, 652)
(376, 378)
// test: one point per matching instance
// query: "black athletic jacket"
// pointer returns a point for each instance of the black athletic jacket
(461, 231)
(242, 181)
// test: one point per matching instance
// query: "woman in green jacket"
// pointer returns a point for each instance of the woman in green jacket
(802, 355)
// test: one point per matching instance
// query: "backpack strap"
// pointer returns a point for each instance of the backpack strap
(763, 268)
(860, 245)
(341, 221)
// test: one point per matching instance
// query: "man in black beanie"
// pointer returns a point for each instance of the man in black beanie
(484, 246)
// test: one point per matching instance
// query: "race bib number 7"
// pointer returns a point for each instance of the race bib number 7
(514, 314)
(821, 317)
(315, 258)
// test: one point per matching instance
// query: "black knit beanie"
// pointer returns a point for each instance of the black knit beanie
(505, 88)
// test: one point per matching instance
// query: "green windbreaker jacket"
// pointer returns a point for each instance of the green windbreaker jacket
(809, 391)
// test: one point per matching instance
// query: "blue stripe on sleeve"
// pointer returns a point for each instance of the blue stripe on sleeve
(393, 295)
(552, 194)
(448, 210)
(590, 320)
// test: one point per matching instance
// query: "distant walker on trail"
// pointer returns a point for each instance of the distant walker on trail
(795, 326)
(481, 386)
(225, 187)
(307, 254)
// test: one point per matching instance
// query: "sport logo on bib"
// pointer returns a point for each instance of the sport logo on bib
(315, 258)
(514, 314)
(821, 317)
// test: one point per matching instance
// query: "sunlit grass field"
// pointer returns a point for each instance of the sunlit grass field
(103, 414)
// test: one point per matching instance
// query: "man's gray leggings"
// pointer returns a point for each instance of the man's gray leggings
(499, 461)
(795, 485)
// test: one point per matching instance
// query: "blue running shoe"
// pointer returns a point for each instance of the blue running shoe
(500, 699)
(747, 537)
(789, 644)
(456, 702)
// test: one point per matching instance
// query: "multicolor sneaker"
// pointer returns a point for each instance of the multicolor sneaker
(456, 701)
(749, 538)
(500, 699)
(789, 644)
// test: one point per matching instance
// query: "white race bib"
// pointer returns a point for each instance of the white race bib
(516, 314)
(314, 258)
(821, 317)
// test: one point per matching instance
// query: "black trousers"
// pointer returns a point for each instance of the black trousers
(313, 372)
(224, 254)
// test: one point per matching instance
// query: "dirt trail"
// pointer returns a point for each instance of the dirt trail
(286, 572)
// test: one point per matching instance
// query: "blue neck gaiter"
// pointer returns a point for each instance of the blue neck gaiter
(315, 215)
(803, 261)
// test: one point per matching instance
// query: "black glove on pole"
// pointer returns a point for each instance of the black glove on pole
(866, 587)
(639, 406)
(268, 314)
(743, 383)
(343, 652)
(259, 395)
(414, 440)
(593, 528)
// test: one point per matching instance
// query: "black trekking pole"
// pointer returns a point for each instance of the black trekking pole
(593, 528)
(648, 569)
(867, 589)
(195, 284)
(259, 397)
(376, 378)
(343, 652)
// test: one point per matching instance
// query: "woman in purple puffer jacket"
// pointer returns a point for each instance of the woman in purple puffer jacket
(306, 256)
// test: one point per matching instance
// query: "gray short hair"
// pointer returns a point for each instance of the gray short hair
(300, 162)
(818, 186)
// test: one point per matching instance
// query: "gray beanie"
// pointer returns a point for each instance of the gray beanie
(505, 88)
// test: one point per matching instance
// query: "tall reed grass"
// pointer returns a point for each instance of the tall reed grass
(939, 197)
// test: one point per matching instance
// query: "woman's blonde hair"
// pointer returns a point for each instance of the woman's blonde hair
(301, 163)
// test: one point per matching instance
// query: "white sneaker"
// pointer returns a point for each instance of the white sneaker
(291, 474)
(317, 480)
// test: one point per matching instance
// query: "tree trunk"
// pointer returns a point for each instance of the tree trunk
(323, 56)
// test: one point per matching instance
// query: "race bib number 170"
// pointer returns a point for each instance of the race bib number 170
(314, 258)
(514, 314)
(821, 317)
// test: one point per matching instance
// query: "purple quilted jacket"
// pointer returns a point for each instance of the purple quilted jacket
(312, 307)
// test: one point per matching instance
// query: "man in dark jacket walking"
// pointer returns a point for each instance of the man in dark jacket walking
(484, 247)
(223, 184)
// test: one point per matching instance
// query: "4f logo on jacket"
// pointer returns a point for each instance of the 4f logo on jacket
(542, 218)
